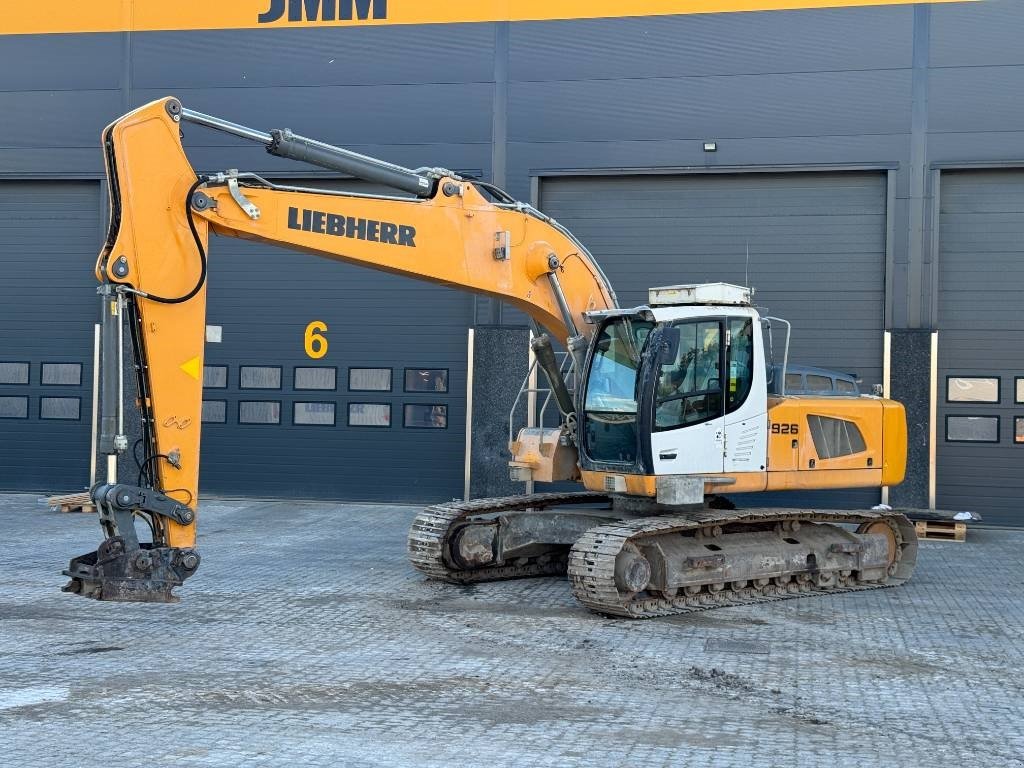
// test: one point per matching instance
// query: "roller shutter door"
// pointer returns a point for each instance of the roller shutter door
(812, 244)
(379, 417)
(980, 430)
(345, 425)
(50, 234)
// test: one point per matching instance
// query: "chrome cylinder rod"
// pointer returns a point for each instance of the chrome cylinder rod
(227, 127)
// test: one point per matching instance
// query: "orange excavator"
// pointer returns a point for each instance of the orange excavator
(663, 407)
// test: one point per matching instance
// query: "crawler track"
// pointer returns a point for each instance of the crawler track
(591, 561)
(434, 527)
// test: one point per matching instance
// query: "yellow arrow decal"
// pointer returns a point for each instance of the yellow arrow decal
(191, 367)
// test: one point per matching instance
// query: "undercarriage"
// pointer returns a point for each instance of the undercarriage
(625, 558)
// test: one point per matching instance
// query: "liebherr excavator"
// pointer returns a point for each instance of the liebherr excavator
(673, 404)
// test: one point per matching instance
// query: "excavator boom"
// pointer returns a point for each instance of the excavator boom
(152, 270)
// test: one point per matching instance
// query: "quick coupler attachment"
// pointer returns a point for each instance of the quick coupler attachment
(123, 568)
(119, 572)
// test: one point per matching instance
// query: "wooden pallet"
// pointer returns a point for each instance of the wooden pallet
(941, 530)
(72, 502)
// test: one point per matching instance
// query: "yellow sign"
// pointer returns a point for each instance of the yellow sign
(55, 16)
(191, 367)
(314, 340)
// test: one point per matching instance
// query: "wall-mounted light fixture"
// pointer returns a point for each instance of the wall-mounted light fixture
(710, 146)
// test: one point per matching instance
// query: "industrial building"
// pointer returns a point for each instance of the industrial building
(861, 167)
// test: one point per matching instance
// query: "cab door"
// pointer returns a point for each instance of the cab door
(746, 397)
(688, 426)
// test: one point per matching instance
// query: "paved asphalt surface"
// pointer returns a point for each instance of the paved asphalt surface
(306, 639)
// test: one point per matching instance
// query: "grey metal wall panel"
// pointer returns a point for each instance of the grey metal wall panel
(263, 297)
(537, 158)
(436, 53)
(49, 238)
(981, 333)
(711, 44)
(52, 162)
(816, 246)
(976, 99)
(975, 147)
(972, 34)
(56, 119)
(61, 62)
(735, 106)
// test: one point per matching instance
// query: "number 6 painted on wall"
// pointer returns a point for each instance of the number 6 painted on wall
(315, 341)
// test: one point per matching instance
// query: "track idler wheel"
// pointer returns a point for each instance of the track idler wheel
(632, 570)
(881, 527)
(474, 545)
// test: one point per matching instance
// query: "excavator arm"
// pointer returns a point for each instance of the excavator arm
(152, 273)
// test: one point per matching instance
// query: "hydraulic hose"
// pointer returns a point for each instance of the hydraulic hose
(199, 246)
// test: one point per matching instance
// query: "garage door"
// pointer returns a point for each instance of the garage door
(811, 244)
(50, 234)
(380, 416)
(980, 449)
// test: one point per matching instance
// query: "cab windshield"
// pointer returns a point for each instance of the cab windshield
(610, 405)
(611, 385)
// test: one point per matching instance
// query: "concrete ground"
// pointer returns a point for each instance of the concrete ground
(306, 639)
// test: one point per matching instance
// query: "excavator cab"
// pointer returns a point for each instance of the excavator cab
(668, 384)
(648, 381)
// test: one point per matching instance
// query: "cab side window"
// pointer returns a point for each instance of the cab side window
(740, 362)
(689, 388)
